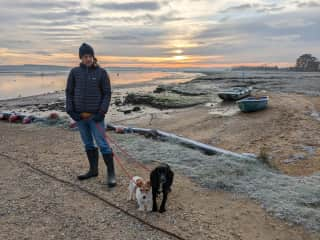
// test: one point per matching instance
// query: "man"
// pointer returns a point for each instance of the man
(88, 94)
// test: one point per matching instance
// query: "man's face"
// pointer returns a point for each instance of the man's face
(87, 59)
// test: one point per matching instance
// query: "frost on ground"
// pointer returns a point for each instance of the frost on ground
(295, 199)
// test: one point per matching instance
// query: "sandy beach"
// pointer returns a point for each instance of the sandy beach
(287, 131)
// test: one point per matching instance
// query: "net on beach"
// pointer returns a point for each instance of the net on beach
(295, 199)
(62, 122)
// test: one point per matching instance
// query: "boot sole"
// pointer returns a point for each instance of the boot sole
(85, 178)
(111, 185)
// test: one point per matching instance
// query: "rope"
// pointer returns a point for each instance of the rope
(35, 169)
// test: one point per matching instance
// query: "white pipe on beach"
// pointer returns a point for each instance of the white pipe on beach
(183, 140)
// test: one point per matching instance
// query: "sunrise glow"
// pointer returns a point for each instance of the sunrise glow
(159, 33)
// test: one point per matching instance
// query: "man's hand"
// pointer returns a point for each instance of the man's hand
(98, 117)
(75, 116)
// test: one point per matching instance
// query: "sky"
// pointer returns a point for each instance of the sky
(160, 33)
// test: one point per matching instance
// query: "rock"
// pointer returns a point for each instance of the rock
(136, 108)
(164, 101)
(127, 111)
(118, 102)
(161, 88)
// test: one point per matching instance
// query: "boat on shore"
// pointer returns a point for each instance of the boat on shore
(253, 104)
(235, 93)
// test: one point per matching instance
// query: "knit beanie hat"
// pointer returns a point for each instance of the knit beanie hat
(85, 49)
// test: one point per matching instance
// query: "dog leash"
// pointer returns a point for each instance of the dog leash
(109, 140)
(121, 166)
(116, 156)
(127, 154)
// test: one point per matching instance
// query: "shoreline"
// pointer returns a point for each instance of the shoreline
(290, 123)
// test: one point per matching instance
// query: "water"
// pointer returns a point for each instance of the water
(27, 83)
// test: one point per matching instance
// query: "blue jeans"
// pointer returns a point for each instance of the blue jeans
(87, 129)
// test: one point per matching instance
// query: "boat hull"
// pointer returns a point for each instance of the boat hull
(232, 97)
(253, 104)
(234, 94)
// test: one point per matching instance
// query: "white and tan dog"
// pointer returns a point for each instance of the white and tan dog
(141, 190)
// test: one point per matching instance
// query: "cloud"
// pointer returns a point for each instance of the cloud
(140, 18)
(259, 30)
(45, 5)
(257, 7)
(130, 6)
(64, 14)
(237, 8)
(309, 4)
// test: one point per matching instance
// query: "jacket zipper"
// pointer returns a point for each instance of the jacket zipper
(85, 97)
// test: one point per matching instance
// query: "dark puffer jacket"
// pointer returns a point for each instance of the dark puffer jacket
(88, 90)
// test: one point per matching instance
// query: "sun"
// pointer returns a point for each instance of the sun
(180, 57)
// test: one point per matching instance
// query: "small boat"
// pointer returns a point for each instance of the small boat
(253, 104)
(235, 93)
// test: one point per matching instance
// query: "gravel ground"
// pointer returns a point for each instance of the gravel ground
(36, 207)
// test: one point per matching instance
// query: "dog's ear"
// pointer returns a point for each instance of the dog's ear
(154, 178)
(139, 183)
(148, 184)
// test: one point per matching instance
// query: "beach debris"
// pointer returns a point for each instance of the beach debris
(50, 120)
(73, 125)
(120, 130)
(15, 118)
(4, 116)
(28, 119)
(53, 115)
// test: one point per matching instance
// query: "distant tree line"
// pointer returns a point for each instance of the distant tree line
(304, 63)
(255, 68)
(307, 63)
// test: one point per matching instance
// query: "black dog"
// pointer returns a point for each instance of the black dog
(161, 179)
